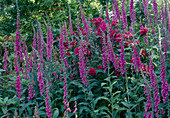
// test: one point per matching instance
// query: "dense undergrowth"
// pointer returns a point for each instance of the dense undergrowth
(110, 66)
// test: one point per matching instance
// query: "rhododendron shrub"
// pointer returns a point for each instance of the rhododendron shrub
(99, 67)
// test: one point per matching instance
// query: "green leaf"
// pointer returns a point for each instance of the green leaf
(6, 99)
(114, 83)
(3, 109)
(77, 84)
(102, 84)
(3, 116)
(134, 106)
(56, 113)
(1, 102)
(1, 70)
(82, 108)
(100, 98)
(103, 108)
(115, 106)
(107, 79)
(116, 93)
(126, 104)
(84, 103)
(128, 114)
(107, 88)
(140, 99)
(103, 113)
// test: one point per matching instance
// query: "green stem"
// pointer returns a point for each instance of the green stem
(110, 90)
(127, 90)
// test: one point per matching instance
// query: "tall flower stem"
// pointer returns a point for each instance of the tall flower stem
(127, 89)
(110, 89)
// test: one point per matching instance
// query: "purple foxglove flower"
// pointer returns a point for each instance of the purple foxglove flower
(114, 14)
(17, 43)
(62, 52)
(169, 24)
(34, 45)
(116, 9)
(155, 11)
(20, 53)
(65, 91)
(122, 56)
(161, 12)
(31, 90)
(18, 86)
(132, 12)
(124, 18)
(26, 59)
(145, 4)
(82, 67)
(30, 63)
(66, 30)
(77, 20)
(164, 83)
(48, 108)
(49, 43)
(154, 85)
(148, 104)
(40, 79)
(5, 58)
(83, 19)
(137, 61)
(107, 14)
(104, 54)
(16, 63)
(70, 24)
(42, 43)
(75, 106)
(38, 42)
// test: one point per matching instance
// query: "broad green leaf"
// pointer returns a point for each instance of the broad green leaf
(102, 84)
(107, 79)
(103, 108)
(84, 103)
(115, 106)
(84, 108)
(114, 83)
(116, 93)
(134, 106)
(1, 102)
(126, 104)
(101, 98)
(6, 99)
(140, 99)
(3, 110)
(56, 113)
(107, 88)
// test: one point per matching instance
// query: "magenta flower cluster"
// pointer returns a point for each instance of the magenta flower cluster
(18, 86)
(31, 91)
(83, 19)
(48, 108)
(49, 43)
(122, 56)
(154, 85)
(116, 9)
(40, 78)
(124, 18)
(165, 87)
(82, 66)
(148, 104)
(5, 58)
(137, 61)
(132, 12)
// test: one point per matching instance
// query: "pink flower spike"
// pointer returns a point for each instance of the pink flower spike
(5, 58)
